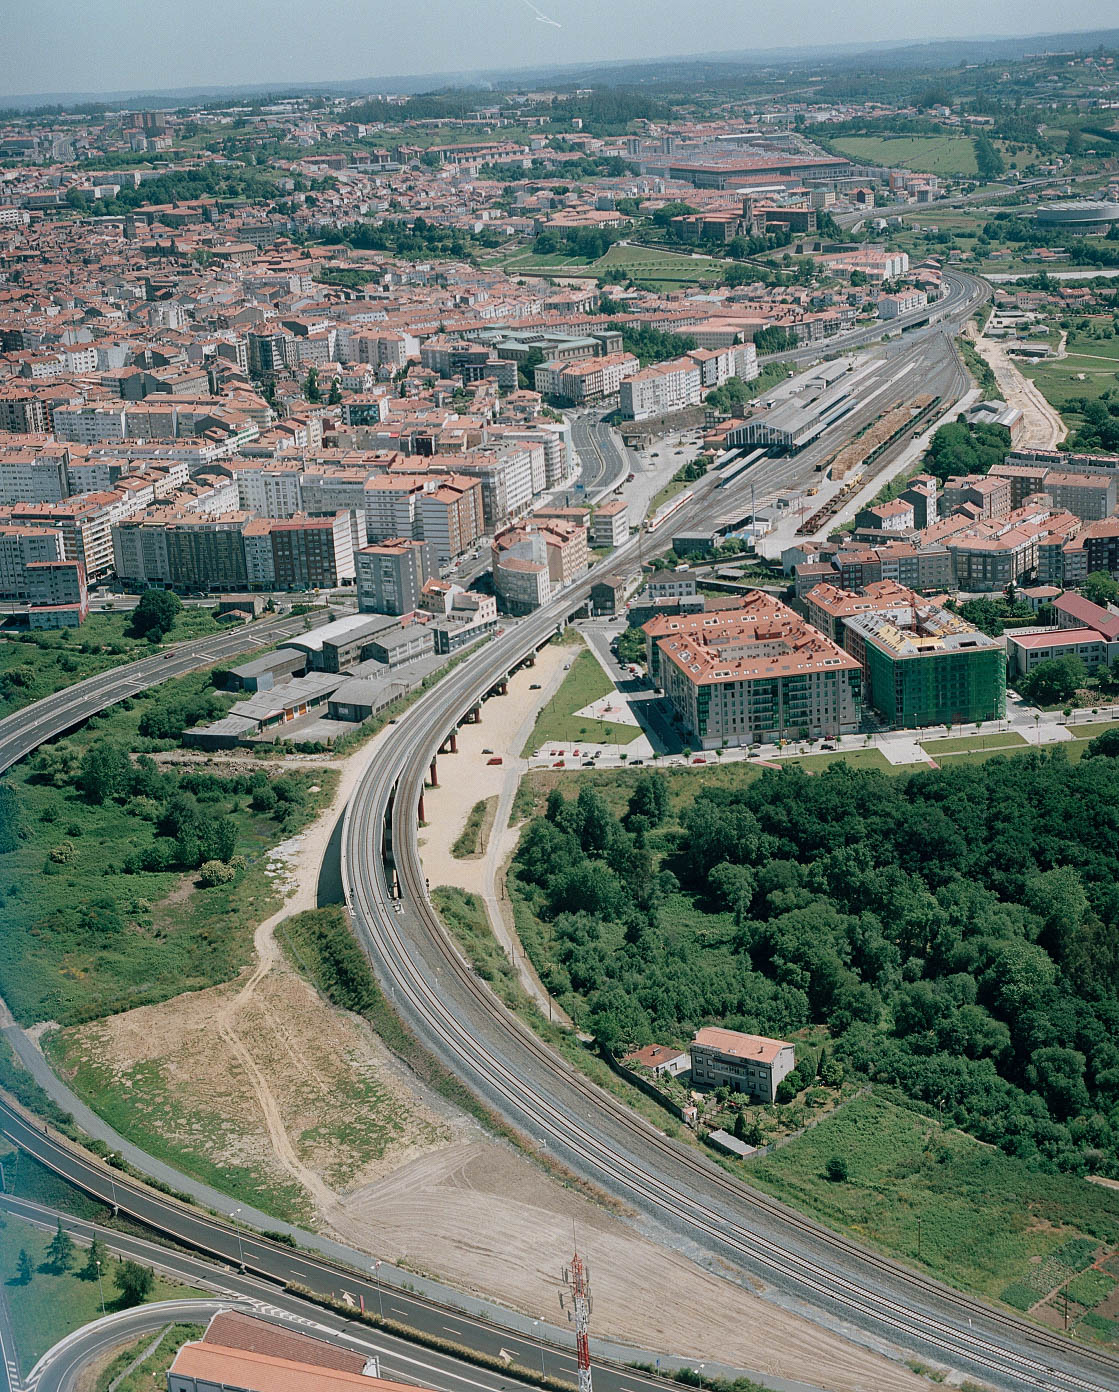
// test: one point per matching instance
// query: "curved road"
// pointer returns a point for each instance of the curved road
(592, 1133)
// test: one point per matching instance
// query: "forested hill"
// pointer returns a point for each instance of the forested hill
(957, 930)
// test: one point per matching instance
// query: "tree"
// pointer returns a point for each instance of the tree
(95, 1257)
(24, 1268)
(155, 615)
(988, 161)
(311, 389)
(335, 395)
(1100, 588)
(135, 1282)
(61, 1249)
(104, 771)
(1053, 682)
(740, 1127)
(836, 1169)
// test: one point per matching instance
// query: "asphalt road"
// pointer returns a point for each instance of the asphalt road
(588, 1130)
(585, 1128)
(603, 460)
(26, 729)
(402, 1359)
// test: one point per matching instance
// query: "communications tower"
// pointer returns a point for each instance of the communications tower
(578, 1278)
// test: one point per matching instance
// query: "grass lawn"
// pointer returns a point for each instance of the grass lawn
(995, 740)
(1090, 368)
(1091, 729)
(864, 758)
(670, 490)
(53, 1304)
(935, 154)
(152, 1372)
(83, 938)
(557, 723)
(33, 665)
(665, 268)
(987, 1221)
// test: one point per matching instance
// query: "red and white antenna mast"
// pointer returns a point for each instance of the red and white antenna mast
(578, 1277)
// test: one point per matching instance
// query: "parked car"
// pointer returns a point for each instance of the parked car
(535, 686)
(699, 761)
(495, 760)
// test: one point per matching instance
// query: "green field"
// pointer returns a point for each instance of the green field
(664, 269)
(52, 1304)
(934, 154)
(557, 723)
(959, 743)
(33, 665)
(1090, 367)
(987, 1221)
(472, 839)
(85, 932)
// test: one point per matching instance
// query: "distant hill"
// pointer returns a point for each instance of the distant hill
(623, 72)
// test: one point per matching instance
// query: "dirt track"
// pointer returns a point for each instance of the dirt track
(261, 1075)
(1042, 426)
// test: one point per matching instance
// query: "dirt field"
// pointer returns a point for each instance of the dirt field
(1042, 426)
(262, 1075)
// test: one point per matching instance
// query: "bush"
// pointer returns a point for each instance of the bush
(62, 854)
(836, 1170)
(216, 872)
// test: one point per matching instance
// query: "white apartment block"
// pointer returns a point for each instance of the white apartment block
(270, 490)
(669, 386)
(90, 425)
(32, 478)
(19, 548)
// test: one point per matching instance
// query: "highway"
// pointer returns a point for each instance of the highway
(678, 1189)
(965, 294)
(603, 460)
(259, 1288)
(24, 730)
(585, 1128)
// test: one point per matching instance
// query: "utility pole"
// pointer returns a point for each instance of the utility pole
(578, 1278)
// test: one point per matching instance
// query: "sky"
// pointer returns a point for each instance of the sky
(117, 45)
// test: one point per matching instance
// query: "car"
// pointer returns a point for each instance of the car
(559, 764)
(637, 761)
(588, 763)
(487, 751)
(534, 686)
(630, 478)
(495, 760)
(829, 747)
(699, 761)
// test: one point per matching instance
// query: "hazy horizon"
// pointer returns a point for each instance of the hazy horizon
(124, 45)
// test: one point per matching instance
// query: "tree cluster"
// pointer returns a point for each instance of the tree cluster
(957, 931)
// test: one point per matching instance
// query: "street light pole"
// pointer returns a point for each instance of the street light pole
(240, 1247)
(380, 1289)
(101, 1288)
(535, 1327)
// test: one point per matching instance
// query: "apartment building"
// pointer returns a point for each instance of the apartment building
(391, 575)
(207, 555)
(988, 496)
(57, 593)
(610, 524)
(668, 386)
(450, 516)
(586, 380)
(747, 1063)
(904, 302)
(313, 553)
(752, 674)
(926, 666)
(33, 476)
(22, 548)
